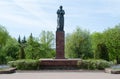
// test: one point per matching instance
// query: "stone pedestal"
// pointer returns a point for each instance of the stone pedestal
(60, 45)
(59, 63)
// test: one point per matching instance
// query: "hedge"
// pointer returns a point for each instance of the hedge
(28, 64)
(92, 64)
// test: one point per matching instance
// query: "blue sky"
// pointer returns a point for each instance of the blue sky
(22, 17)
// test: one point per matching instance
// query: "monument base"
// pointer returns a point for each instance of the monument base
(58, 63)
(60, 45)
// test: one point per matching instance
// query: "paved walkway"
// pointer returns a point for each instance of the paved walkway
(60, 75)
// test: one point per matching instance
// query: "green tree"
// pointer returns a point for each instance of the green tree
(78, 44)
(11, 49)
(3, 36)
(47, 44)
(33, 48)
(40, 47)
(22, 45)
(3, 39)
(99, 47)
(112, 37)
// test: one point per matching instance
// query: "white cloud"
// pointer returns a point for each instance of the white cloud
(18, 19)
(41, 14)
(29, 7)
(36, 11)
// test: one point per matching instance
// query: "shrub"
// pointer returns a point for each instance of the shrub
(25, 64)
(94, 64)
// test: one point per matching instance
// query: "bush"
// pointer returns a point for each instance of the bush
(94, 64)
(25, 64)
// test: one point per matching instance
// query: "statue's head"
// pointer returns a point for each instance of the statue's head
(60, 7)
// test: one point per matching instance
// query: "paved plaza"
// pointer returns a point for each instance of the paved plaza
(60, 75)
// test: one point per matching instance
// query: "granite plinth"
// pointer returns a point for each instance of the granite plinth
(60, 45)
(58, 63)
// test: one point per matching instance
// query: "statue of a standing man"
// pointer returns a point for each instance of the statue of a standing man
(60, 19)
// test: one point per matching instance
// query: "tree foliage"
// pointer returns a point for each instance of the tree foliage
(33, 48)
(99, 47)
(22, 45)
(3, 39)
(11, 49)
(78, 44)
(47, 43)
(106, 45)
(8, 46)
(112, 40)
(3, 36)
(40, 47)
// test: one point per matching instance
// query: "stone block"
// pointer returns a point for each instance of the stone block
(60, 45)
(59, 63)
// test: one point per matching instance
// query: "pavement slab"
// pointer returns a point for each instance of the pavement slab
(60, 74)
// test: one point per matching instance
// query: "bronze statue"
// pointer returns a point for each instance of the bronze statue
(60, 19)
